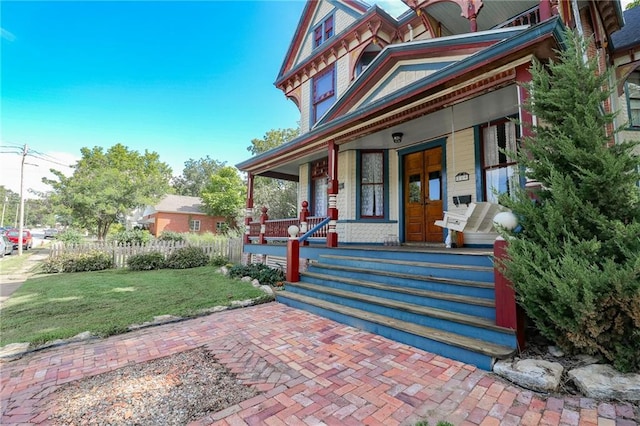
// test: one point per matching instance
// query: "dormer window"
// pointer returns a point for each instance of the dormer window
(323, 32)
(366, 58)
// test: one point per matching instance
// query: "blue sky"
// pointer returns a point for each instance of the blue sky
(184, 79)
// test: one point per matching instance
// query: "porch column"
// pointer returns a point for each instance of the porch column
(527, 120)
(249, 209)
(545, 10)
(472, 15)
(263, 225)
(332, 189)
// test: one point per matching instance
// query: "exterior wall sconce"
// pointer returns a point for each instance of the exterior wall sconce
(397, 137)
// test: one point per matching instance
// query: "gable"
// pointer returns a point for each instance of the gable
(399, 66)
(344, 12)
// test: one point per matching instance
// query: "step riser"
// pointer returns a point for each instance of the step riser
(488, 312)
(441, 324)
(452, 273)
(444, 258)
(481, 361)
(442, 287)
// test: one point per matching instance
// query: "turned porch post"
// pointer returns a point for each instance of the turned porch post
(304, 224)
(263, 225)
(545, 10)
(332, 189)
(248, 213)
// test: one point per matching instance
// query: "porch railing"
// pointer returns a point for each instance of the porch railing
(529, 17)
(266, 229)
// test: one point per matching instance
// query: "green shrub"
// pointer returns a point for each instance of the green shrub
(131, 236)
(187, 257)
(146, 261)
(70, 236)
(575, 262)
(259, 271)
(78, 262)
(171, 236)
(219, 260)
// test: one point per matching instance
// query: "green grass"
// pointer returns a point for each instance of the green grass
(13, 264)
(107, 302)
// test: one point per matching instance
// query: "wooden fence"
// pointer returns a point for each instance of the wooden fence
(230, 248)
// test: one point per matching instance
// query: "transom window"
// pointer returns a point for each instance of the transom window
(632, 89)
(194, 225)
(323, 32)
(372, 199)
(324, 93)
(500, 170)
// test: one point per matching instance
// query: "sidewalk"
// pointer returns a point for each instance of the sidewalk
(320, 372)
(9, 283)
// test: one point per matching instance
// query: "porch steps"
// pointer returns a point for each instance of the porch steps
(439, 307)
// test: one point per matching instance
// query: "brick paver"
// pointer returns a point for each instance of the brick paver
(310, 371)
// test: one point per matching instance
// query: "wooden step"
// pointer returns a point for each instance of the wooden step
(482, 347)
(450, 281)
(480, 301)
(408, 307)
(410, 263)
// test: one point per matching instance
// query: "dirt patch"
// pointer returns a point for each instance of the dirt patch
(171, 391)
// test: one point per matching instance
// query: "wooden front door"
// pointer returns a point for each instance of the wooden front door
(423, 195)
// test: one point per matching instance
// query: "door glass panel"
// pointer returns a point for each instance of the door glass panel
(415, 189)
(434, 185)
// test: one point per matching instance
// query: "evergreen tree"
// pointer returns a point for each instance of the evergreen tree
(575, 265)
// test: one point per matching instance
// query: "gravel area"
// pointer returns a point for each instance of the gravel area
(169, 391)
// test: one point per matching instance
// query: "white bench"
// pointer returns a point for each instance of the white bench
(477, 218)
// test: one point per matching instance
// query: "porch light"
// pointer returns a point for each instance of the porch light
(397, 137)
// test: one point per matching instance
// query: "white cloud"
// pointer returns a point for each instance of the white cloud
(7, 35)
(34, 170)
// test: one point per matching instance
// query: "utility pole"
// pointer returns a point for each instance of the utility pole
(4, 206)
(21, 228)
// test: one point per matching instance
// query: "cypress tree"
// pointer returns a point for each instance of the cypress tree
(575, 265)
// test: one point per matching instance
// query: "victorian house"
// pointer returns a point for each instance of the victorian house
(404, 125)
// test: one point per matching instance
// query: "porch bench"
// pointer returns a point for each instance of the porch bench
(477, 218)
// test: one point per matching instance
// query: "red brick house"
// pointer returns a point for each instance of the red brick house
(179, 213)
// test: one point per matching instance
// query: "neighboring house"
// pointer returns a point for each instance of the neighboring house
(405, 121)
(626, 59)
(178, 213)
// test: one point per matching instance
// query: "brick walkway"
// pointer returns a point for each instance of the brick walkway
(311, 371)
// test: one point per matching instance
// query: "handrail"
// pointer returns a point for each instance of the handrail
(314, 229)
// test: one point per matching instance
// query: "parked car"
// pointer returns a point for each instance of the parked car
(50, 233)
(6, 246)
(27, 239)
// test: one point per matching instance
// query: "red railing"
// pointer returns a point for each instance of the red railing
(278, 228)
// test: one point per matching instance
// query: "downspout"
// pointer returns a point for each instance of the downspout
(576, 18)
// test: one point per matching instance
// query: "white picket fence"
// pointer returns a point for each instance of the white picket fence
(230, 248)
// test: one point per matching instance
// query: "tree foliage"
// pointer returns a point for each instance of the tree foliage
(634, 3)
(106, 185)
(278, 195)
(195, 176)
(10, 205)
(224, 195)
(576, 264)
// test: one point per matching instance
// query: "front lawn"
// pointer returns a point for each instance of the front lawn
(107, 302)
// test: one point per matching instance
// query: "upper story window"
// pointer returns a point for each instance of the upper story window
(367, 56)
(632, 89)
(500, 170)
(323, 32)
(324, 92)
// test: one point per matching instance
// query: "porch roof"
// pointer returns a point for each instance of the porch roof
(522, 43)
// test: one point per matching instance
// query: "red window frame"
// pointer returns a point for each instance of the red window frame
(323, 32)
